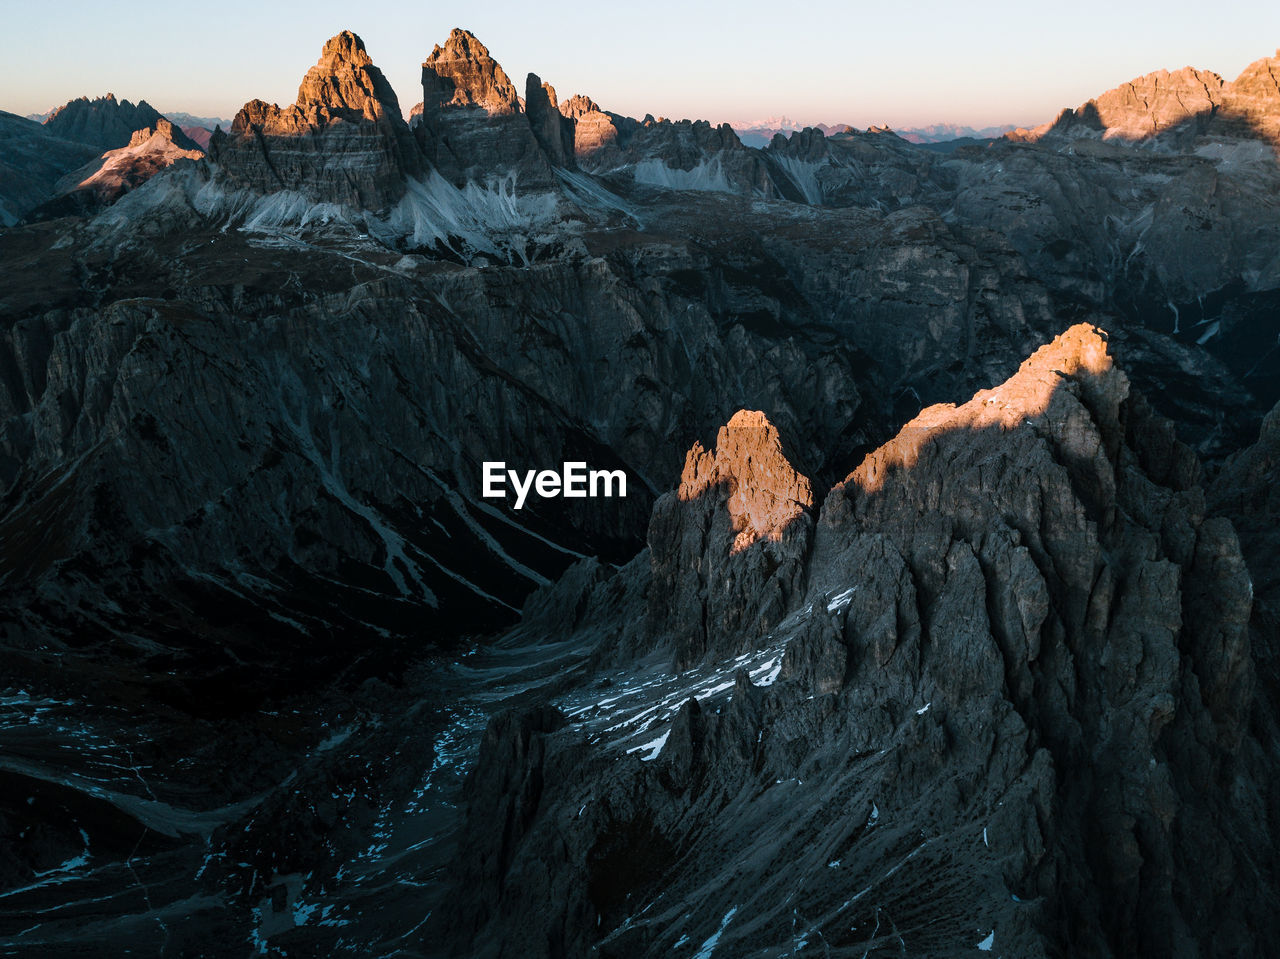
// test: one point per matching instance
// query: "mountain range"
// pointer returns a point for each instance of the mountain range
(759, 133)
(941, 616)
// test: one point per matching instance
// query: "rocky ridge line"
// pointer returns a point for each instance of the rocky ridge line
(1185, 102)
(1013, 709)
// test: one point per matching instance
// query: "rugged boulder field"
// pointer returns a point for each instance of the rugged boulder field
(940, 617)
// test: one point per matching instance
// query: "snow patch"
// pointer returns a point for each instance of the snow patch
(1213, 330)
(653, 746)
(768, 672)
(709, 946)
(335, 740)
(841, 601)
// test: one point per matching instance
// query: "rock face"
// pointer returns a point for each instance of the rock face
(472, 126)
(1013, 710)
(553, 131)
(594, 131)
(1252, 106)
(462, 74)
(728, 547)
(1247, 491)
(107, 123)
(1098, 602)
(343, 141)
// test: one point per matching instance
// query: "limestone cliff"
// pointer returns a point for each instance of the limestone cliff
(472, 126)
(343, 141)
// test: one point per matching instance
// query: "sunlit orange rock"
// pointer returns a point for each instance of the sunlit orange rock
(765, 493)
(343, 141)
(728, 546)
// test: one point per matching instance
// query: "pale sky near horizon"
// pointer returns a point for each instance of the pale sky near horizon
(989, 62)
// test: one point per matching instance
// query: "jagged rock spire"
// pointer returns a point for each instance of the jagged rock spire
(345, 108)
(345, 78)
(727, 548)
(472, 125)
(553, 131)
(462, 74)
(106, 122)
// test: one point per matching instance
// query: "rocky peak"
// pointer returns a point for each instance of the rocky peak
(345, 79)
(1144, 107)
(1253, 100)
(553, 131)
(344, 84)
(1077, 360)
(345, 108)
(167, 132)
(596, 134)
(1168, 103)
(116, 172)
(578, 106)
(1051, 538)
(462, 74)
(1260, 78)
(1158, 101)
(472, 123)
(765, 494)
(728, 546)
(105, 122)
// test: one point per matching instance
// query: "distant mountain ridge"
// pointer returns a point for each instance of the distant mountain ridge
(106, 122)
(97, 140)
(187, 119)
(759, 133)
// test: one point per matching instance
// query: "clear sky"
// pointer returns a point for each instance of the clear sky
(905, 64)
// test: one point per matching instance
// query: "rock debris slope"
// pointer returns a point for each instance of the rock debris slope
(1014, 702)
